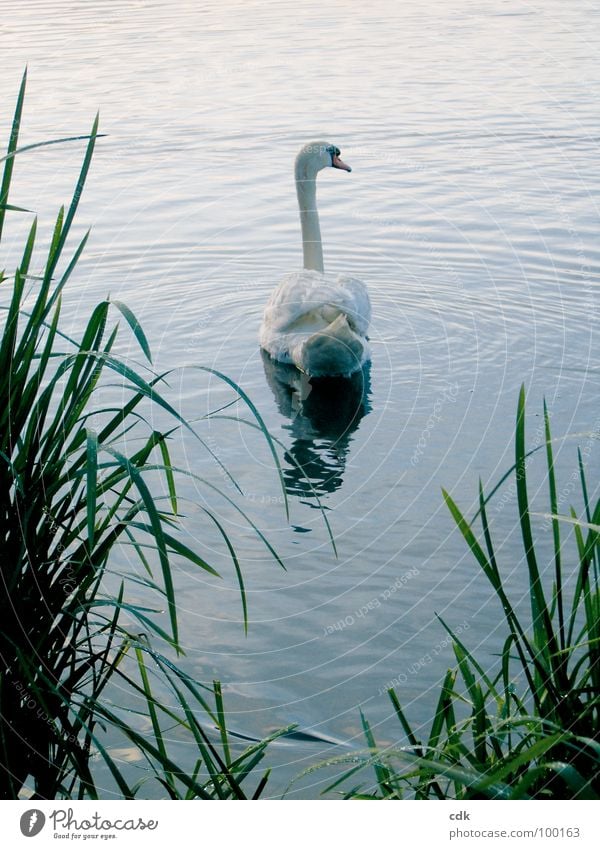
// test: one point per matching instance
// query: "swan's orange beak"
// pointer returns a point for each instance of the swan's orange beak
(337, 163)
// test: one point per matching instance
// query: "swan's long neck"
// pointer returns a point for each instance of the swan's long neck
(306, 189)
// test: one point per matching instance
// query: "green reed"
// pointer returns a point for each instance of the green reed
(71, 490)
(532, 730)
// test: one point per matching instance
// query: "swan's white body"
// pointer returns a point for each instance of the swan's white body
(313, 321)
(317, 323)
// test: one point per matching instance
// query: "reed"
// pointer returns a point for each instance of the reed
(71, 490)
(532, 729)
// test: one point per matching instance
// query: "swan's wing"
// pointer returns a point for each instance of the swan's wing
(357, 303)
(291, 313)
(306, 302)
(298, 298)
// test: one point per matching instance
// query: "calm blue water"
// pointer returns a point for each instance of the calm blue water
(472, 215)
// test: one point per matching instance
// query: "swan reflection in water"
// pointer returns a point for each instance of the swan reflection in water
(324, 413)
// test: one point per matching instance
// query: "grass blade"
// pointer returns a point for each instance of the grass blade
(12, 146)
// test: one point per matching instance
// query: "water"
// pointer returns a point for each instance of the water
(471, 213)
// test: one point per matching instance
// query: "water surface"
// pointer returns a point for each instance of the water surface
(472, 215)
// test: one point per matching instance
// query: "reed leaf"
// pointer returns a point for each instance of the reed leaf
(531, 731)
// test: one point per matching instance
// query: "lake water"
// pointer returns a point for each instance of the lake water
(472, 215)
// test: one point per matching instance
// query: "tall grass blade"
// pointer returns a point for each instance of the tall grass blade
(262, 426)
(136, 327)
(12, 146)
(555, 529)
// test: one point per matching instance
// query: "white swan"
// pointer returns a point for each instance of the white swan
(312, 321)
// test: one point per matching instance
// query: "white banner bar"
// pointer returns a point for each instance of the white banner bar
(302, 824)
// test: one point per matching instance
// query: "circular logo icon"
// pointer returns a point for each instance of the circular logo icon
(32, 822)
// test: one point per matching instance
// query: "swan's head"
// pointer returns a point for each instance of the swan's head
(315, 156)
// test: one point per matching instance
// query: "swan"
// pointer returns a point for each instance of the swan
(315, 322)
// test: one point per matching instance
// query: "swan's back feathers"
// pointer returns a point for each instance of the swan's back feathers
(317, 323)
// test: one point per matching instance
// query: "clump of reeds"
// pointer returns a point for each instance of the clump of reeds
(532, 730)
(71, 488)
